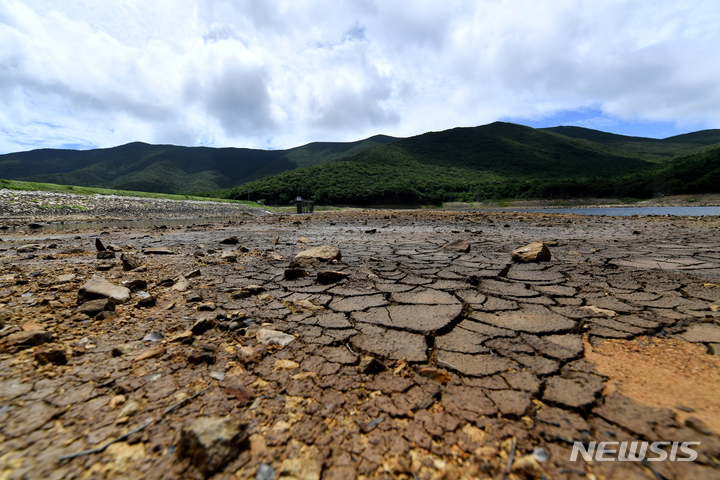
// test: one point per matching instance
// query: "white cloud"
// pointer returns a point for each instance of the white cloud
(280, 73)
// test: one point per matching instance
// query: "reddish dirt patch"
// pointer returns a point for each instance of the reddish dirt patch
(665, 373)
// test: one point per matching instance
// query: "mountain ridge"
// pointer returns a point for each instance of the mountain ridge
(488, 155)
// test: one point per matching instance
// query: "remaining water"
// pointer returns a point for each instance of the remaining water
(629, 211)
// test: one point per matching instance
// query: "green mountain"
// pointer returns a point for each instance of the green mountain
(647, 148)
(499, 160)
(168, 168)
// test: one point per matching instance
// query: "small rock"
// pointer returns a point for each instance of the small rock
(79, 317)
(637, 232)
(147, 301)
(295, 273)
(307, 467)
(246, 354)
(31, 325)
(105, 255)
(239, 391)
(194, 298)
(98, 287)
(182, 337)
(116, 401)
(152, 353)
(136, 285)
(264, 472)
(153, 337)
(202, 326)
(21, 340)
(69, 277)
(106, 315)
(55, 356)
(229, 257)
(193, 274)
(533, 252)
(220, 376)
(29, 248)
(462, 246)
(283, 364)
(212, 442)
(528, 465)
(99, 245)
(129, 262)
(181, 285)
(267, 337)
(370, 366)
(540, 454)
(329, 276)
(324, 254)
(204, 354)
(232, 240)
(206, 307)
(371, 231)
(93, 307)
(247, 291)
(276, 239)
(132, 407)
(158, 251)
(440, 376)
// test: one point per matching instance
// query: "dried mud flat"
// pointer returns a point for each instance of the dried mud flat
(424, 361)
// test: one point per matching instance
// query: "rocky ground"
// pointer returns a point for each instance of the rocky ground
(20, 207)
(219, 351)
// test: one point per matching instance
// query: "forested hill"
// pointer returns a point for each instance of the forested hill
(169, 168)
(499, 160)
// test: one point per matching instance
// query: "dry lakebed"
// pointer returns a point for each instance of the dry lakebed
(360, 344)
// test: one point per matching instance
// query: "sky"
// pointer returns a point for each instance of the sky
(275, 74)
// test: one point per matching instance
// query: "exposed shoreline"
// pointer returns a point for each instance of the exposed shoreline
(21, 207)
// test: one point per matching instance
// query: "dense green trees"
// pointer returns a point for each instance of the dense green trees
(399, 180)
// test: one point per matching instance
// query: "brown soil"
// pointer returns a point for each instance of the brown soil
(662, 373)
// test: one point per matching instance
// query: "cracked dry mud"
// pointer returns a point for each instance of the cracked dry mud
(425, 362)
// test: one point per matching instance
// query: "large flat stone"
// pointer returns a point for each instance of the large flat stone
(97, 287)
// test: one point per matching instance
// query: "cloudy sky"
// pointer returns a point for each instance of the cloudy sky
(281, 73)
